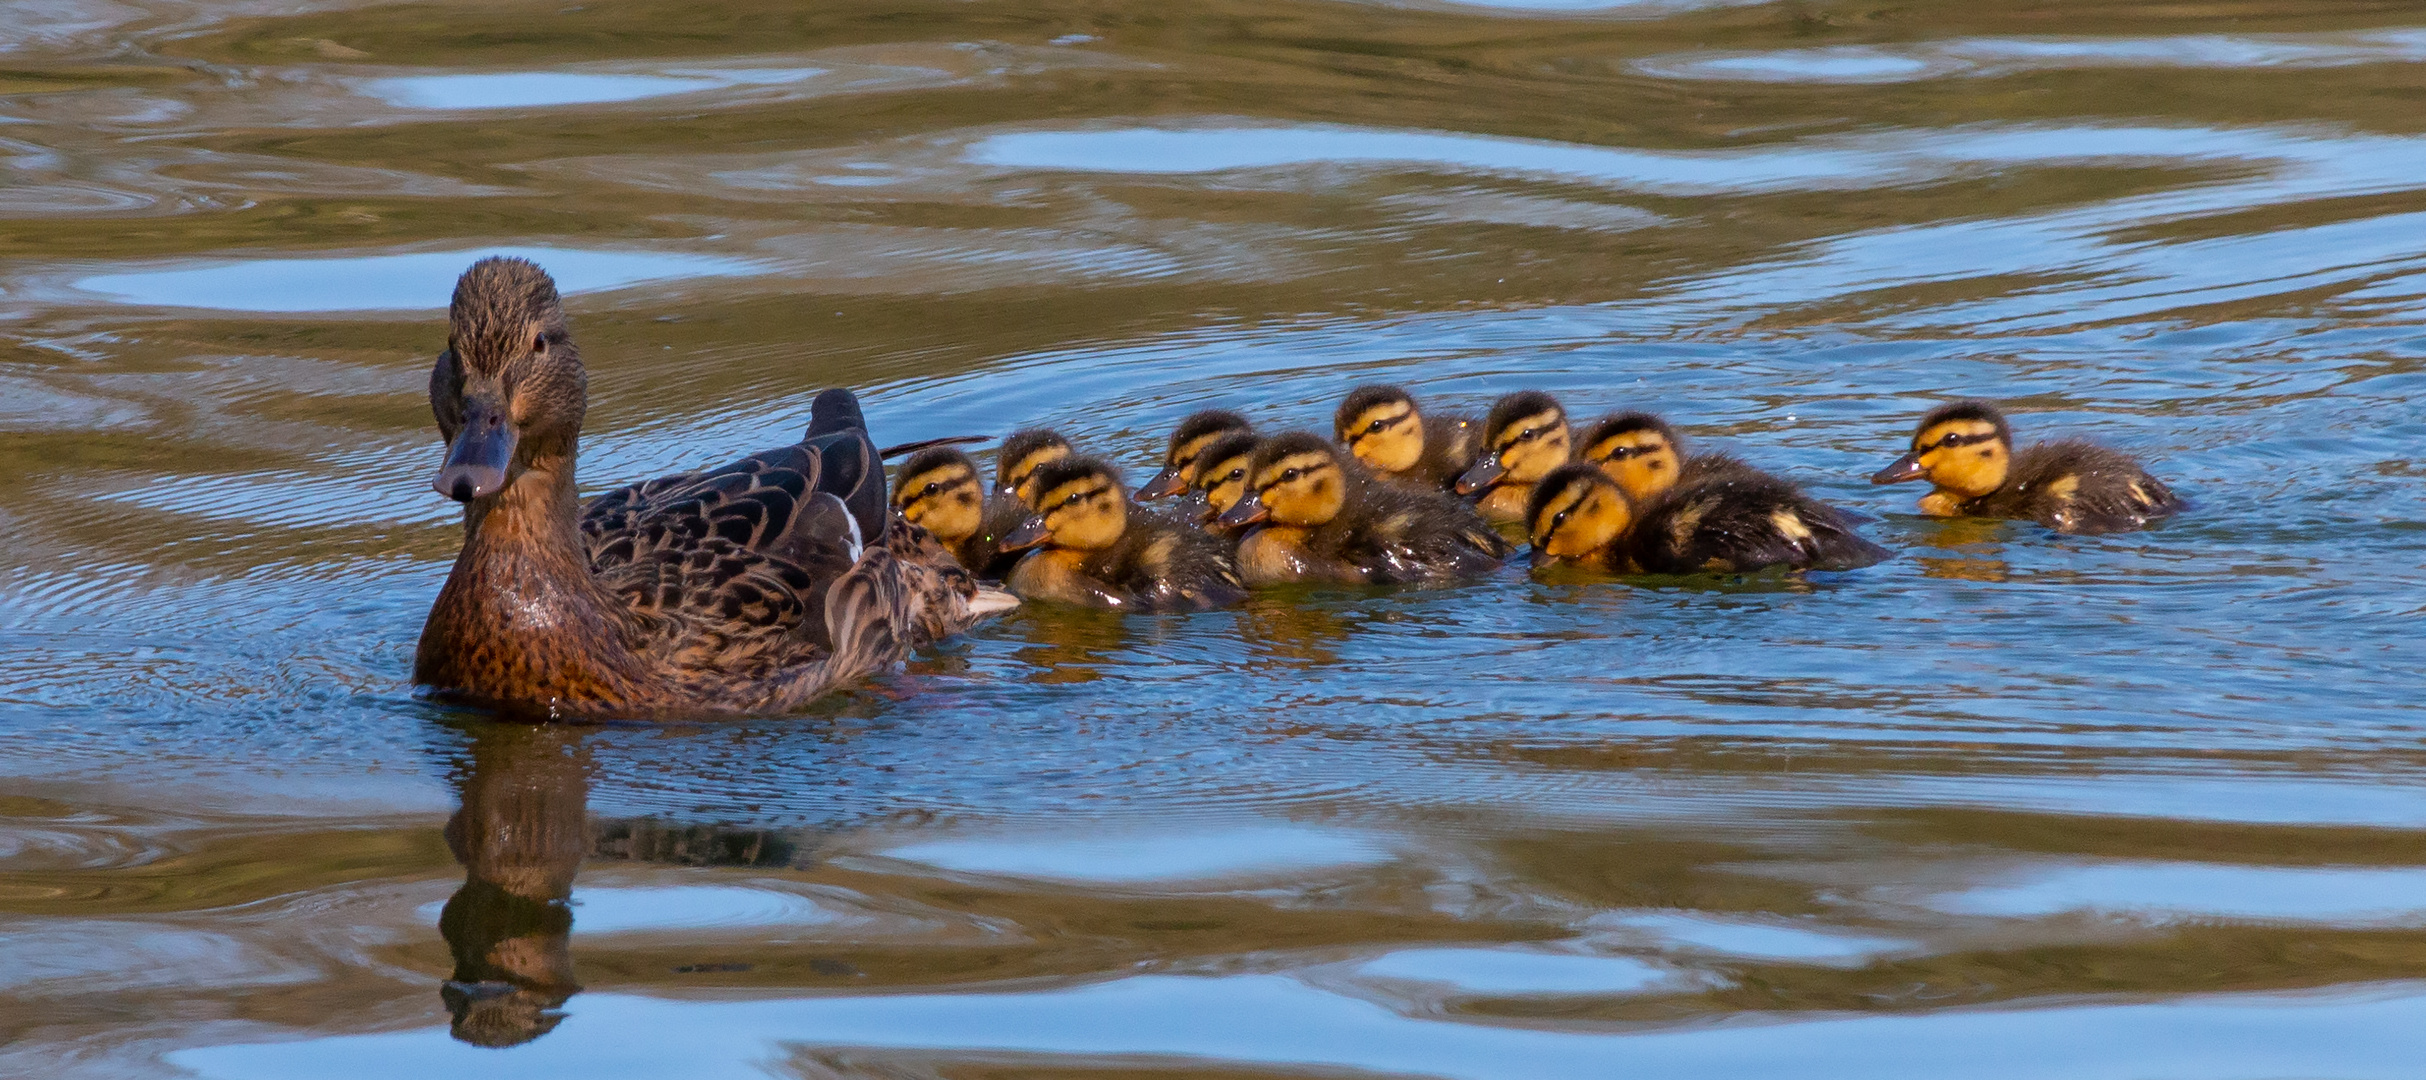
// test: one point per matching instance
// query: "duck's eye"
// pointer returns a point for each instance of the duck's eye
(1527, 434)
(1071, 501)
(539, 343)
(1289, 475)
(931, 488)
(1377, 425)
(1236, 474)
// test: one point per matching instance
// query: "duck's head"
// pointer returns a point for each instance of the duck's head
(509, 391)
(1382, 427)
(939, 490)
(1184, 458)
(1638, 450)
(1575, 511)
(1221, 471)
(1018, 458)
(1965, 448)
(1294, 479)
(1080, 505)
(1523, 439)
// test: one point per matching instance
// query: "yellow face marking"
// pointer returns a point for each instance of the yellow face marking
(946, 500)
(1388, 437)
(1963, 456)
(1302, 489)
(1022, 474)
(1529, 448)
(1087, 513)
(1642, 462)
(1223, 482)
(1183, 457)
(1579, 521)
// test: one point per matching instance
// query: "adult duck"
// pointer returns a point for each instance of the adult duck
(755, 587)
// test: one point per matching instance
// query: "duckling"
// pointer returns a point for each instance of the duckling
(1324, 518)
(940, 491)
(755, 587)
(1188, 444)
(1645, 456)
(1731, 524)
(1094, 552)
(1221, 477)
(1382, 426)
(1523, 439)
(1965, 450)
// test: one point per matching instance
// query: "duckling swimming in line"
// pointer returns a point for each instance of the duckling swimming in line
(1092, 551)
(1733, 524)
(1322, 518)
(1182, 458)
(1384, 429)
(755, 587)
(1523, 439)
(1645, 456)
(941, 492)
(1965, 450)
(1221, 477)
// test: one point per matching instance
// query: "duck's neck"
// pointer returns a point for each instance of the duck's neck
(521, 618)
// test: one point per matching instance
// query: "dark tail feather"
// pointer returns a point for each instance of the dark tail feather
(892, 452)
(834, 410)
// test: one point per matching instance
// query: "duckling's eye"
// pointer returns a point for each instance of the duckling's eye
(1236, 474)
(1377, 425)
(1558, 519)
(1289, 475)
(931, 488)
(1527, 434)
(1071, 501)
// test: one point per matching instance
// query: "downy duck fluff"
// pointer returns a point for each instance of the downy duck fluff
(1320, 517)
(755, 587)
(1524, 437)
(1397, 441)
(1184, 457)
(1091, 550)
(1965, 451)
(1732, 524)
(941, 492)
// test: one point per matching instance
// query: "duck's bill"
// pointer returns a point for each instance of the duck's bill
(1029, 534)
(1165, 483)
(476, 462)
(991, 602)
(1244, 512)
(1481, 474)
(1907, 467)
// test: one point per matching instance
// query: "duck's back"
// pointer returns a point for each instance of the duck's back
(1396, 535)
(1451, 443)
(2077, 486)
(1168, 566)
(1742, 522)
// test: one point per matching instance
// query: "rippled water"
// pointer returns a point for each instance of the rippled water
(2010, 805)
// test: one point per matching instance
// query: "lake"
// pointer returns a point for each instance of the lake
(2011, 804)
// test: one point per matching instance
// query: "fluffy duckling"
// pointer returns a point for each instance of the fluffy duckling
(939, 490)
(1094, 552)
(1523, 439)
(1221, 477)
(2071, 485)
(1733, 524)
(1645, 456)
(1382, 426)
(1195, 435)
(1323, 518)
(1018, 458)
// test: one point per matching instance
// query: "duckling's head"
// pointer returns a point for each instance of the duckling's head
(1575, 511)
(1294, 479)
(939, 489)
(1638, 450)
(1965, 448)
(1183, 458)
(1523, 439)
(1080, 505)
(1222, 470)
(1382, 427)
(1018, 458)
(509, 392)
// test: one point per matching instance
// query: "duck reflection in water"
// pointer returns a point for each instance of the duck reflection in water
(521, 834)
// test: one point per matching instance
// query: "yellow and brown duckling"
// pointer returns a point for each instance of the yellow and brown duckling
(755, 587)
(1320, 517)
(1646, 457)
(1965, 450)
(1091, 550)
(1221, 478)
(1524, 437)
(1399, 442)
(940, 490)
(1737, 523)
(1184, 457)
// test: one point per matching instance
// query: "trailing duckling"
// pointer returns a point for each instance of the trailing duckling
(1965, 450)
(1221, 478)
(1524, 438)
(1395, 439)
(1645, 456)
(1729, 525)
(1093, 551)
(1182, 458)
(940, 491)
(1321, 517)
